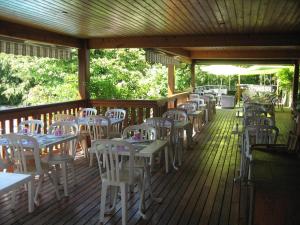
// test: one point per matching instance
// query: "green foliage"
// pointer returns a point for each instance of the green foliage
(183, 76)
(285, 77)
(30, 80)
(114, 73)
(124, 74)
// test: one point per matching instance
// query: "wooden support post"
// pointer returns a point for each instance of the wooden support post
(83, 70)
(295, 84)
(193, 80)
(171, 79)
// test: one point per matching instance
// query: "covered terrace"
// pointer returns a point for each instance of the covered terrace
(198, 32)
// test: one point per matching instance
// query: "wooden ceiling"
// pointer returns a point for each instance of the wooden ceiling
(179, 24)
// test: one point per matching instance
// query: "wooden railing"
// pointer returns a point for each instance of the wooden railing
(137, 110)
(10, 118)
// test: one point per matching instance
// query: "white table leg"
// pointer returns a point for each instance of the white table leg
(148, 180)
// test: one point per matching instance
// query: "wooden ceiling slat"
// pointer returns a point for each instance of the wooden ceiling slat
(255, 8)
(161, 16)
(247, 15)
(239, 11)
(232, 14)
(142, 14)
(199, 17)
(208, 8)
(261, 14)
(184, 7)
(174, 16)
(124, 21)
(198, 7)
(272, 12)
(156, 15)
(219, 9)
(293, 17)
(39, 12)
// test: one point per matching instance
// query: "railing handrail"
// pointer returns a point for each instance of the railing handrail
(44, 106)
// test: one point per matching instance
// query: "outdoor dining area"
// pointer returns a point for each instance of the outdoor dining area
(191, 150)
(124, 156)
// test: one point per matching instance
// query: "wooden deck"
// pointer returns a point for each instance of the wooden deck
(202, 191)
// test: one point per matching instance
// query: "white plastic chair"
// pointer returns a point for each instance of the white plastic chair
(15, 149)
(98, 128)
(85, 112)
(188, 107)
(256, 135)
(140, 132)
(64, 117)
(164, 131)
(67, 151)
(179, 115)
(194, 96)
(116, 114)
(31, 127)
(112, 174)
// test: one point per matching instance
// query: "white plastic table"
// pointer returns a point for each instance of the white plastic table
(11, 181)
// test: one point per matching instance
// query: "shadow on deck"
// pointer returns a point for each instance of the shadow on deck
(202, 191)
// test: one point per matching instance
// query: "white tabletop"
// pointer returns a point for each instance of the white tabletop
(84, 121)
(10, 181)
(144, 148)
(45, 140)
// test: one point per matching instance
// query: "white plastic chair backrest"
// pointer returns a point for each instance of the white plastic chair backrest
(259, 135)
(258, 120)
(31, 126)
(189, 107)
(17, 144)
(65, 128)
(194, 96)
(110, 150)
(87, 112)
(205, 98)
(139, 132)
(98, 127)
(164, 127)
(176, 115)
(64, 117)
(116, 113)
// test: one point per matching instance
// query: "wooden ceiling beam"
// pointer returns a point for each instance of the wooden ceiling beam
(29, 33)
(196, 41)
(183, 54)
(176, 51)
(247, 54)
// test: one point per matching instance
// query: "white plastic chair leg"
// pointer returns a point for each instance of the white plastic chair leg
(31, 196)
(53, 179)
(65, 177)
(124, 188)
(40, 182)
(91, 158)
(103, 200)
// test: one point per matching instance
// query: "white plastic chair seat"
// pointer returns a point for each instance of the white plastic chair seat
(124, 176)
